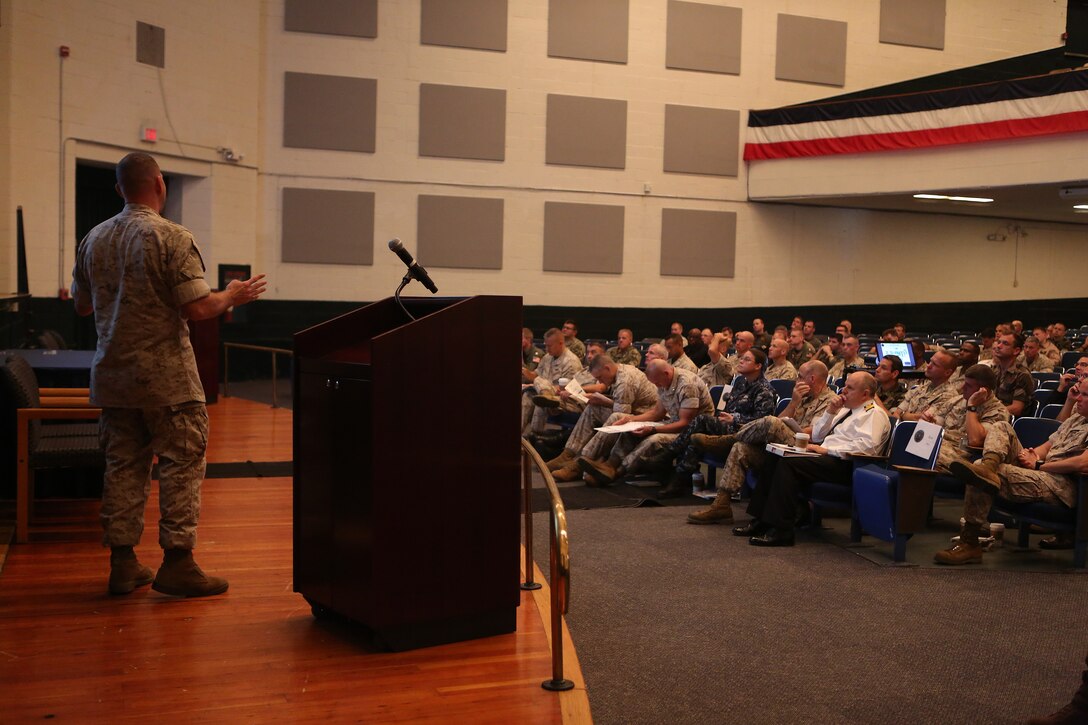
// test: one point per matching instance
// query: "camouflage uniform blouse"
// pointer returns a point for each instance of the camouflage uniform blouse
(138, 270)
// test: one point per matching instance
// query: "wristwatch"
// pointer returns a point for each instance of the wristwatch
(1038, 465)
(972, 408)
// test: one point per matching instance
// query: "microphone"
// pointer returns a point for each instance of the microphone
(417, 272)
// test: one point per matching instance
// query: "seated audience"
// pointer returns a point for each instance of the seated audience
(1046, 346)
(745, 450)
(1057, 336)
(853, 423)
(759, 332)
(933, 400)
(530, 353)
(781, 332)
(576, 346)
(831, 351)
(850, 359)
(1015, 386)
(965, 358)
(986, 344)
(752, 397)
(719, 371)
(891, 389)
(625, 351)
(559, 362)
(809, 330)
(800, 351)
(1033, 358)
(696, 349)
(627, 391)
(778, 367)
(674, 344)
(1047, 473)
(681, 397)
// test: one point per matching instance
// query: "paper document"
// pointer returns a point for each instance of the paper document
(724, 400)
(576, 391)
(789, 451)
(924, 439)
(628, 427)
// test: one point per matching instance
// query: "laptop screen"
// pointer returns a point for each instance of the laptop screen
(902, 350)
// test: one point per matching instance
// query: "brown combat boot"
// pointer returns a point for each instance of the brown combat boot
(966, 551)
(1075, 713)
(179, 576)
(982, 474)
(713, 444)
(126, 572)
(547, 399)
(569, 472)
(720, 511)
(565, 457)
(598, 473)
(679, 485)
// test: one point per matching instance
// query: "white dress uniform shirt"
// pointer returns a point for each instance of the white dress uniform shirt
(863, 429)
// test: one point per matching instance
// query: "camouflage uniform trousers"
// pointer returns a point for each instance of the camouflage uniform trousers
(688, 457)
(748, 452)
(624, 448)
(1017, 484)
(131, 437)
(594, 416)
(540, 415)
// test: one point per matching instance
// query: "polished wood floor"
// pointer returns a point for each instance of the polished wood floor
(71, 652)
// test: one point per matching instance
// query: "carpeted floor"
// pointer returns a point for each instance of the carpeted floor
(682, 623)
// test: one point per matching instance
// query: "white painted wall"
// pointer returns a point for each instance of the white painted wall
(224, 87)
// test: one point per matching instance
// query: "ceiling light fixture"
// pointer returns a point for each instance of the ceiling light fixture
(942, 197)
(1081, 207)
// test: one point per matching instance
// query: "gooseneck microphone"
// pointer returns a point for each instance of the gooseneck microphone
(418, 273)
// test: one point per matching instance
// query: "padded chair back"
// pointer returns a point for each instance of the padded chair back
(1050, 411)
(20, 391)
(1069, 359)
(1033, 432)
(784, 388)
(1041, 377)
(782, 405)
(716, 394)
(901, 438)
(1042, 397)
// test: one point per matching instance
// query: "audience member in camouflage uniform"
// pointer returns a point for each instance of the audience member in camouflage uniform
(891, 389)
(627, 392)
(142, 277)
(965, 358)
(681, 396)
(1046, 346)
(751, 398)
(745, 451)
(800, 351)
(760, 337)
(576, 346)
(831, 352)
(1047, 473)
(972, 417)
(625, 353)
(719, 371)
(677, 357)
(1015, 386)
(1033, 358)
(530, 353)
(933, 400)
(779, 368)
(848, 359)
(558, 363)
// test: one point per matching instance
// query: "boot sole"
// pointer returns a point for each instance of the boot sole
(710, 521)
(180, 592)
(130, 587)
(957, 563)
(596, 476)
(963, 472)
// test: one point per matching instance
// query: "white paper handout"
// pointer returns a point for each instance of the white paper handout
(924, 439)
(628, 427)
(576, 391)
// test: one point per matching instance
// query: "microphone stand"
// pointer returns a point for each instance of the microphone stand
(396, 295)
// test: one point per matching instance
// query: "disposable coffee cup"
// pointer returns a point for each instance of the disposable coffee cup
(997, 531)
(563, 382)
(800, 440)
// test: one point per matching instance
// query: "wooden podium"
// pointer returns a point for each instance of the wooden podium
(407, 468)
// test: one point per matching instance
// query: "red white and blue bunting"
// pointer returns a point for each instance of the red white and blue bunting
(1037, 106)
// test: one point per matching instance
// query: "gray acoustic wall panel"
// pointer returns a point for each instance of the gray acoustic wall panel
(703, 37)
(323, 226)
(460, 231)
(701, 140)
(698, 243)
(479, 24)
(586, 132)
(913, 22)
(583, 238)
(151, 45)
(811, 50)
(356, 18)
(461, 122)
(329, 112)
(588, 29)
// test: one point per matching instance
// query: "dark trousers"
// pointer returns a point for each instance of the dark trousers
(688, 457)
(774, 500)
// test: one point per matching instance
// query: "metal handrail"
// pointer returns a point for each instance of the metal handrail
(260, 348)
(559, 558)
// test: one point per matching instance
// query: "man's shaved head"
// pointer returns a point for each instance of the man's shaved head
(136, 174)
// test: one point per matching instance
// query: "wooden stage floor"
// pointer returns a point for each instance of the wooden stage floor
(70, 651)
